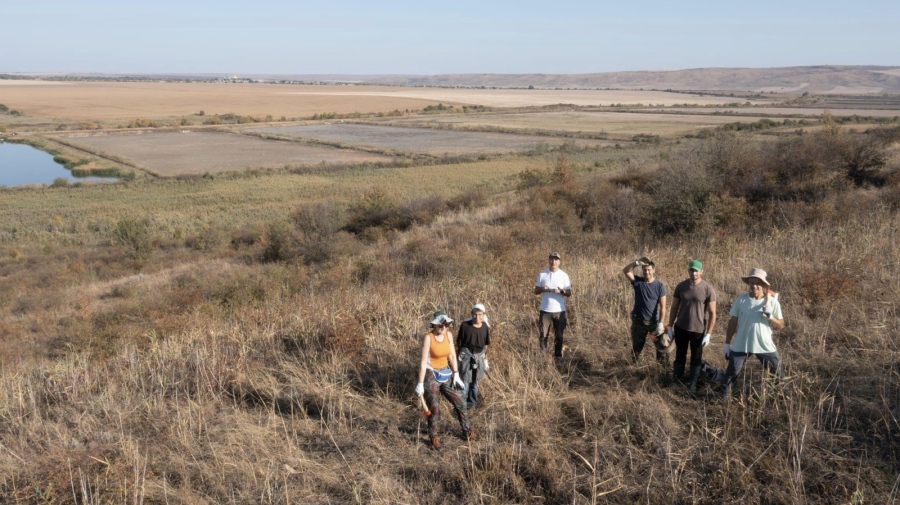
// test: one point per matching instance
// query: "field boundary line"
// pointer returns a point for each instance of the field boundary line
(101, 154)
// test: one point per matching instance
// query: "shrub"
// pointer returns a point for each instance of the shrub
(279, 243)
(532, 178)
(60, 182)
(374, 209)
(134, 234)
(316, 226)
(681, 200)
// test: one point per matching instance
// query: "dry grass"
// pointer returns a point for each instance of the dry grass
(207, 376)
(815, 112)
(614, 123)
(87, 101)
(414, 140)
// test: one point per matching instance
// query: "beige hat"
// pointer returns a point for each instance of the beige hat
(759, 273)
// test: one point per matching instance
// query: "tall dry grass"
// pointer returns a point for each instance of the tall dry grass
(212, 376)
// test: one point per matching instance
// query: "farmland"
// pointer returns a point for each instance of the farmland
(173, 154)
(245, 326)
(616, 123)
(119, 101)
(414, 140)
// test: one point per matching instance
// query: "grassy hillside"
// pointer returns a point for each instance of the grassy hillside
(255, 339)
(840, 79)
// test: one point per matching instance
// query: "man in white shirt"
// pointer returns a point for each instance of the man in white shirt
(554, 287)
(753, 317)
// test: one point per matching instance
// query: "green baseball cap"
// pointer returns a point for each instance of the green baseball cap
(695, 265)
(555, 255)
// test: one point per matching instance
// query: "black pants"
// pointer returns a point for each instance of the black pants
(559, 322)
(688, 339)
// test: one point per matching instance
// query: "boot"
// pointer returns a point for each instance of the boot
(436, 443)
(677, 373)
(469, 434)
(695, 376)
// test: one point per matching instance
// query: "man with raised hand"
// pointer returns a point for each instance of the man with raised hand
(649, 310)
(554, 287)
(691, 322)
(753, 317)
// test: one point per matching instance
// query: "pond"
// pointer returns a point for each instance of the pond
(22, 164)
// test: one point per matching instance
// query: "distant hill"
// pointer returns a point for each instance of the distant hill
(823, 79)
(817, 79)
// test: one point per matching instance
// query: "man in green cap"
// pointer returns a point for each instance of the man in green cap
(691, 321)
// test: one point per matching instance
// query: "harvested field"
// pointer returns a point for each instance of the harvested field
(173, 154)
(89, 101)
(784, 111)
(128, 100)
(623, 123)
(416, 140)
(526, 97)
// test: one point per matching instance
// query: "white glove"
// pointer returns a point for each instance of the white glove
(766, 311)
(671, 333)
(660, 328)
(420, 389)
(706, 339)
(727, 351)
(457, 382)
(487, 366)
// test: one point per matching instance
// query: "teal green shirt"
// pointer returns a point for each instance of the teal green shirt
(754, 330)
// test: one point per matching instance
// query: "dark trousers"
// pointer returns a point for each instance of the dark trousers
(683, 341)
(639, 330)
(770, 360)
(558, 321)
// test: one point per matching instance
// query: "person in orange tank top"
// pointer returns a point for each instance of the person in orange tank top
(438, 373)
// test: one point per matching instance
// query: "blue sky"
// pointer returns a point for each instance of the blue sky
(428, 37)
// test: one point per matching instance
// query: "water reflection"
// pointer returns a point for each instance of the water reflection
(22, 164)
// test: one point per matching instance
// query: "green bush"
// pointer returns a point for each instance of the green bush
(134, 234)
(280, 243)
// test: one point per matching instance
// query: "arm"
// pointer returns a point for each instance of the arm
(629, 270)
(426, 352)
(676, 303)
(539, 290)
(710, 316)
(565, 292)
(731, 330)
(662, 308)
(777, 324)
(453, 364)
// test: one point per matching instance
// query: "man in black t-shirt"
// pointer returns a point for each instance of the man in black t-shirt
(649, 306)
(472, 339)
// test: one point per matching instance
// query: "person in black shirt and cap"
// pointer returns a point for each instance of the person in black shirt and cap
(472, 339)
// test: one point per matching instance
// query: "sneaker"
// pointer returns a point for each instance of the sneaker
(436, 443)
(470, 434)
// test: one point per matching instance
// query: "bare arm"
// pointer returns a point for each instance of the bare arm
(426, 353)
(662, 308)
(629, 270)
(676, 302)
(731, 330)
(710, 316)
(777, 324)
(539, 290)
(453, 364)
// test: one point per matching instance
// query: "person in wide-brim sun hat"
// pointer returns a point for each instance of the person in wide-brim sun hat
(439, 375)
